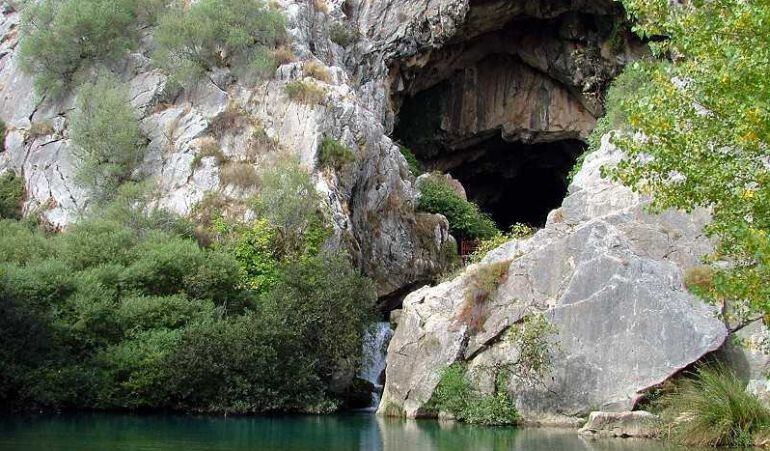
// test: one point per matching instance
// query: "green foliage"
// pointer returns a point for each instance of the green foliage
(125, 310)
(465, 218)
(333, 154)
(59, 38)
(329, 305)
(703, 135)
(192, 39)
(455, 394)
(712, 408)
(11, 195)
(105, 131)
(534, 337)
(415, 167)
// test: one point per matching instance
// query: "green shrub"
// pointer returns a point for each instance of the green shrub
(60, 37)
(455, 394)
(105, 131)
(241, 34)
(21, 244)
(334, 154)
(415, 167)
(465, 218)
(305, 92)
(11, 195)
(712, 408)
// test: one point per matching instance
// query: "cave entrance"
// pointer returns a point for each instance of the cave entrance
(506, 104)
(515, 182)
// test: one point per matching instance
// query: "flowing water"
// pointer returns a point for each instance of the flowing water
(375, 351)
(359, 431)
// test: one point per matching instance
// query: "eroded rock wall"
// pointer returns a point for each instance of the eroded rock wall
(604, 272)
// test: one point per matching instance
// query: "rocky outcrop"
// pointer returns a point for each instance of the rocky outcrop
(372, 200)
(636, 424)
(608, 277)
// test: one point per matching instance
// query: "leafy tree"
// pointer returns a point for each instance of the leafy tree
(59, 37)
(108, 142)
(194, 39)
(703, 119)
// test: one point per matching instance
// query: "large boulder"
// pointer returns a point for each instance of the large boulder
(604, 272)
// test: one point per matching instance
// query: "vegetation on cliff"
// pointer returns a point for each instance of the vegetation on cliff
(702, 125)
(127, 310)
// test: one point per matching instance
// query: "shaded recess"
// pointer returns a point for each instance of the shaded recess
(506, 106)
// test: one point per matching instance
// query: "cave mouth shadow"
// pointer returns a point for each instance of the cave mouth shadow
(513, 182)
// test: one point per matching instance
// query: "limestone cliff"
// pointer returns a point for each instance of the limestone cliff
(607, 275)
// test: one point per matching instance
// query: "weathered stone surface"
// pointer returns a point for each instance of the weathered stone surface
(637, 424)
(605, 273)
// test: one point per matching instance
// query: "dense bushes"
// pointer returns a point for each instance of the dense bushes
(465, 218)
(712, 408)
(456, 395)
(126, 310)
(240, 34)
(59, 37)
(105, 132)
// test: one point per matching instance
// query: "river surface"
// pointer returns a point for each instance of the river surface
(355, 431)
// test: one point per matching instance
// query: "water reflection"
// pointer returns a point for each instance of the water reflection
(343, 432)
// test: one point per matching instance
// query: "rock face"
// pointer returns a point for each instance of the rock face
(608, 277)
(637, 424)
(372, 200)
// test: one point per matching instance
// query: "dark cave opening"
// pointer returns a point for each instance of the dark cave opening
(515, 182)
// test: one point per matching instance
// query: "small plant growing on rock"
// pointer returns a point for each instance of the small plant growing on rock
(517, 231)
(317, 70)
(105, 131)
(240, 174)
(305, 92)
(342, 35)
(209, 147)
(333, 154)
(415, 167)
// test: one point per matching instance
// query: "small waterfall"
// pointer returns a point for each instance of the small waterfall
(375, 351)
